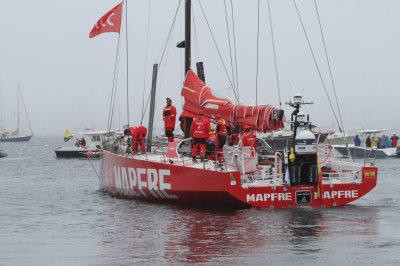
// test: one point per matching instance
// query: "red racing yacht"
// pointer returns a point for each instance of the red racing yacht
(305, 175)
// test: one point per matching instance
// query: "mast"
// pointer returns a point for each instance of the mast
(26, 112)
(18, 107)
(188, 14)
(1, 111)
(152, 107)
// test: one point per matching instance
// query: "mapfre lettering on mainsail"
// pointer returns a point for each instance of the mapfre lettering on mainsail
(142, 181)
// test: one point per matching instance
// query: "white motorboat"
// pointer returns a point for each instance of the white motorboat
(362, 151)
(87, 144)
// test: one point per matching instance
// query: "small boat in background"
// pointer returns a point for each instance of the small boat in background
(87, 144)
(338, 138)
(13, 136)
(281, 139)
(3, 154)
(360, 152)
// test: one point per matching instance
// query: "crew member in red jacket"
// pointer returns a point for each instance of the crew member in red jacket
(212, 145)
(249, 139)
(138, 137)
(222, 132)
(169, 116)
(199, 131)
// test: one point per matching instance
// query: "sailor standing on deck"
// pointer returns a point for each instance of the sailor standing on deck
(222, 131)
(212, 145)
(169, 116)
(199, 131)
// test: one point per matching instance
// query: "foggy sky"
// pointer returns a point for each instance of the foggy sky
(66, 77)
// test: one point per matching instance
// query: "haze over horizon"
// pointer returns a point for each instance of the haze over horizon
(66, 77)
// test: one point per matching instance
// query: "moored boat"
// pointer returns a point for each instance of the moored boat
(363, 152)
(282, 139)
(3, 154)
(88, 144)
(16, 136)
(360, 152)
(338, 138)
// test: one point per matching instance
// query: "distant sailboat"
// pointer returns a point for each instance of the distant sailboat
(15, 136)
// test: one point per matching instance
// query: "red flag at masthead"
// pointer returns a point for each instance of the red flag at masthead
(110, 22)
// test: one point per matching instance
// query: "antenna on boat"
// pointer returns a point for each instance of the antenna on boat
(296, 104)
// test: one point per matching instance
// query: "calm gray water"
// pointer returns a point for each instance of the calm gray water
(52, 213)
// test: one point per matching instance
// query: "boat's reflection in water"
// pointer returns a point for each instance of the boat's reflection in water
(142, 232)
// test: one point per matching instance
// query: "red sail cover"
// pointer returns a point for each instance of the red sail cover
(199, 98)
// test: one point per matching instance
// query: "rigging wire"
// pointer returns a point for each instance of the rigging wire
(258, 40)
(114, 84)
(235, 52)
(94, 169)
(163, 49)
(216, 46)
(341, 127)
(230, 46)
(145, 62)
(315, 62)
(274, 51)
(329, 67)
(169, 33)
(195, 37)
(127, 60)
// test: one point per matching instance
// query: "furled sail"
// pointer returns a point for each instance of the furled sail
(199, 99)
